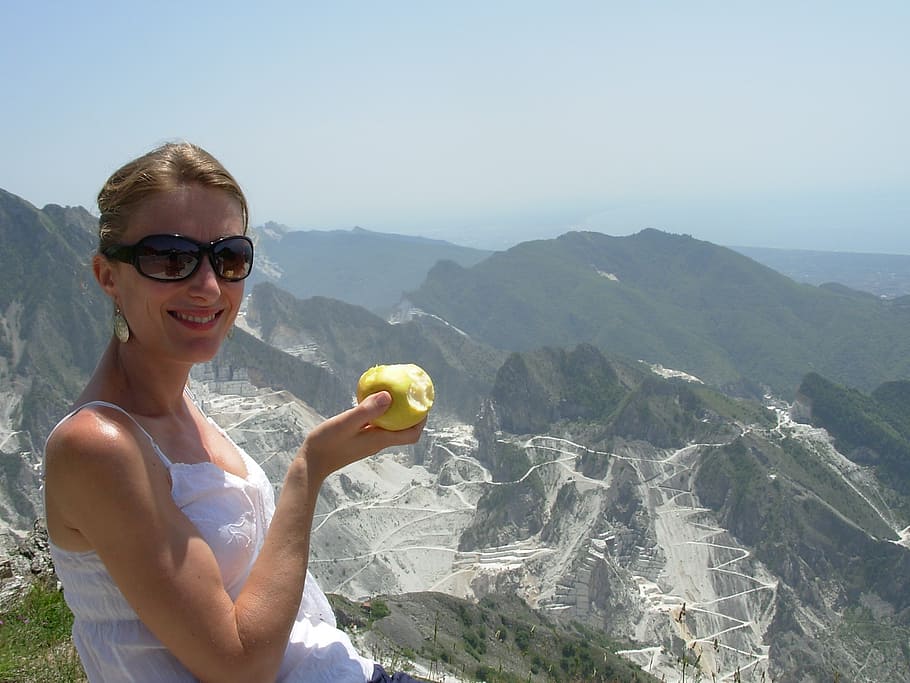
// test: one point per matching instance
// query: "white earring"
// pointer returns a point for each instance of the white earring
(121, 328)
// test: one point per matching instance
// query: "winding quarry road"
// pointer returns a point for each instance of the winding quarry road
(389, 526)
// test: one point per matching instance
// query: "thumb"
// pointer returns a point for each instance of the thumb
(374, 405)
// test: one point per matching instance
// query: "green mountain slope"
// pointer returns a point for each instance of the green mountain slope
(498, 639)
(361, 267)
(674, 300)
(352, 339)
(870, 429)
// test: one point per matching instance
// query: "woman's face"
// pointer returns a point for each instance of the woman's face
(184, 320)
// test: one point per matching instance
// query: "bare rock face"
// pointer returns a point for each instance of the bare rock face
(24, 560)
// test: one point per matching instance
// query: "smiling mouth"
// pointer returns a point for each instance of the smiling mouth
(196, 319)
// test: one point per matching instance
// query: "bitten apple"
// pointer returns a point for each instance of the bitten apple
(411, 389)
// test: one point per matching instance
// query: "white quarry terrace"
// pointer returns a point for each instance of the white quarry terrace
(385, 525)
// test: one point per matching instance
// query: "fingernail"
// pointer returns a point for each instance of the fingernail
(383, 399)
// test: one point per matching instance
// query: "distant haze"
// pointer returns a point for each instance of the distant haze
(877, 223)
(772, 124)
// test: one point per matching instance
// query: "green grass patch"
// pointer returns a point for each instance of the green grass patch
(35, 640)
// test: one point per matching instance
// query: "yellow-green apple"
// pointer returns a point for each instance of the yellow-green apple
(411, 389)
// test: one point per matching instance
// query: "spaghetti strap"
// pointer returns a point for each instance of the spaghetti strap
(105, 404)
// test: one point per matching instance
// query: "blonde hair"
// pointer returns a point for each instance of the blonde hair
(168, 167)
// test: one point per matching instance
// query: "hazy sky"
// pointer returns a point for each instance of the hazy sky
(779, 124)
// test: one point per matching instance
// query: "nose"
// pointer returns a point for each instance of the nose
(204, 282)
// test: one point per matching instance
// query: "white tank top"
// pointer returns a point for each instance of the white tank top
(232, 514)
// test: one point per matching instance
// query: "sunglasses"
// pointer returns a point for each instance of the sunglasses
(174, 257)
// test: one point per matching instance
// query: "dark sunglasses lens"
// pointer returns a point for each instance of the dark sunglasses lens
(233, 258)
(165, 257)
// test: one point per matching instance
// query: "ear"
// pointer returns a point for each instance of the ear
(103, 270)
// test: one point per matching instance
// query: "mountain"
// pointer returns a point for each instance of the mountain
(696, 526)
(55, 321)
(749, 532)
(693, 526)
(53, 325)
(676, 301)
(631, 509)
(872, 430)
(361, 267)
(349, 339)
(885, 275)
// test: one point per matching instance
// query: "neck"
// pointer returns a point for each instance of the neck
(140, 383)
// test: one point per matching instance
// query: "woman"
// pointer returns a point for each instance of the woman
(176, 560)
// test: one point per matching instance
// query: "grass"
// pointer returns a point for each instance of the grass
(496, 640)
(35, 645)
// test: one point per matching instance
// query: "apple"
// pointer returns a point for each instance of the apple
(411, 389)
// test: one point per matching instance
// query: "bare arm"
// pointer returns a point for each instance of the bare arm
(101, 486)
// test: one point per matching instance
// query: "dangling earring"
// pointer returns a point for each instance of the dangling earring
(121, 329)
(230, 332)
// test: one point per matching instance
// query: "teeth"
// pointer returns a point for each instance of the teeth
(195, 318)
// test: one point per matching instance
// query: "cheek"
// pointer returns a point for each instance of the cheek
(234, 291)
(144, 300)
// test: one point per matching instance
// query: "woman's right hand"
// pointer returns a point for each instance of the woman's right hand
(349, 437)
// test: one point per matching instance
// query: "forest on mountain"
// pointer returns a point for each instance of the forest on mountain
(678, 301)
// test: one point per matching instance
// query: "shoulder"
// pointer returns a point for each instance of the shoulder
(93, 435)
(95, 457)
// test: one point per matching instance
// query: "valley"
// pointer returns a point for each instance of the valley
(389, 526)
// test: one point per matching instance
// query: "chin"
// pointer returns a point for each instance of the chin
(203, 352)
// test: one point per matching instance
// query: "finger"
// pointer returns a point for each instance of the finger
(409, 436)
(412, 434)
(361, 414)
(398, 437)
